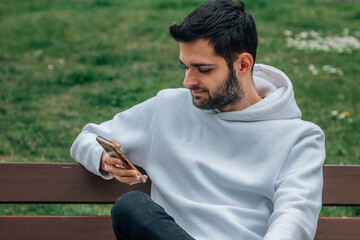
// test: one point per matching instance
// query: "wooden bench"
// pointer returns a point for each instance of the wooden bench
(70, 183)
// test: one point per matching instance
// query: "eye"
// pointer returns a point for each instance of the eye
(204, 70)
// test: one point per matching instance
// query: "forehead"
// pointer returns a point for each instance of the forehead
(199, 51)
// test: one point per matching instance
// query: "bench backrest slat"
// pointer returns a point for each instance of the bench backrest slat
(58, 183)
(72, 183)
(341, 185)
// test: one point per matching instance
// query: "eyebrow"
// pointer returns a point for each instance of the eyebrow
(199, 64)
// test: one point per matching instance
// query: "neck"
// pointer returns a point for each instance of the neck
(249, 98)
(242, 104)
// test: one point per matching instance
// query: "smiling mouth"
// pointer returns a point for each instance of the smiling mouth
(197, 91)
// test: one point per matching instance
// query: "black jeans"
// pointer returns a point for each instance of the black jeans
(136, 216)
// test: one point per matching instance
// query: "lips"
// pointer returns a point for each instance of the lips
(197, 92)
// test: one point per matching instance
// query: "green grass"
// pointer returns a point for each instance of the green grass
(56, 209)
(65, 63)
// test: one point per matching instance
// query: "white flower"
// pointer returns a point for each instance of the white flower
(303, 35)
(314, 34)
(50, 67)
(332, 70)
(61, 61)
(287, 33)
(38, 53)
(334, 112)
(314, 41)
(341, 116)
(313, 69)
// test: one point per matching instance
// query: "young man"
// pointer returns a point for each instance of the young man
(230, 158)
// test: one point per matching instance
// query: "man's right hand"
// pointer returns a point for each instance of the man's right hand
(115, 167)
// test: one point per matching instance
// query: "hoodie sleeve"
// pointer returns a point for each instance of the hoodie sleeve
(132, 128)
(298, 190)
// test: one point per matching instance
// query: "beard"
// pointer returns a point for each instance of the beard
(227, 93)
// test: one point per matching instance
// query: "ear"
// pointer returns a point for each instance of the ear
(243, 64)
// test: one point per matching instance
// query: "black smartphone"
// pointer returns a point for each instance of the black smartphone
(114, 151)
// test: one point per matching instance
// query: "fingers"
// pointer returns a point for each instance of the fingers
(137, 181)
(126, 176)
(123, 175)
(116, 169)
(110, 159)
(111, 164)
(106, 161)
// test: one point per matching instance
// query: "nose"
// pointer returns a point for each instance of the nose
(190, 79)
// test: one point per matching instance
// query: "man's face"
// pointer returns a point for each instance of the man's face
(212, 83)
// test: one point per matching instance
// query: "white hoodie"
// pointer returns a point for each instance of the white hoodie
(251, 174)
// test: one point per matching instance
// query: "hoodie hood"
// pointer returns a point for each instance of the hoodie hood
(278, 98)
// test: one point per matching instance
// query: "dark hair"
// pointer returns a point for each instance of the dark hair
(225, 23)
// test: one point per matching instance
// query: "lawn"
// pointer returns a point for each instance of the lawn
(66, 63)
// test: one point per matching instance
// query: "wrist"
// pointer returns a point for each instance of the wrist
(102, 165)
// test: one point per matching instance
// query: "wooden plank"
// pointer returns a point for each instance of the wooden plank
(341, 185)
(58, 183)
(71, 183)
(56, 227)
(331, 228)
(99, 227)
